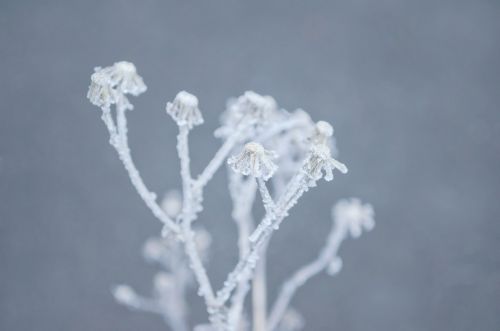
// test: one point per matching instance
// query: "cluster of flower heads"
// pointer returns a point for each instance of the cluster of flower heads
(298, 139)
(252, 118)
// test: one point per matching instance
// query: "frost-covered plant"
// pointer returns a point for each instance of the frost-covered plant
(279, 154)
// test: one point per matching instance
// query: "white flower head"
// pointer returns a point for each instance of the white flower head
(124, 76)
(100, 91)
(292, 320)
(250, 108)
(355, 215)
(172, 203)
(124, 294)
(153, 249)
(322, 133)
(203, 327)
(256, 106)
(334, 266)
(320, 161)
(203, 239)
(184, 110)
(254, 160)
(163, 282)
(109, 82)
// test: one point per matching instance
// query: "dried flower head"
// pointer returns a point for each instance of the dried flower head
(254, 160)
(109, 82)
(355, 215)
(153, 249)
(292, 320)
(322, 133)
(252, 108)
(334, 266)
(320, 161)
(100, 91)
(184, 110)
(163, 282)
(124, 76)
(124, 294)
(172, 203)
(256, 106)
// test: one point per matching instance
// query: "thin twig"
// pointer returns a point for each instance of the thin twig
(290, 286)
(123, 150)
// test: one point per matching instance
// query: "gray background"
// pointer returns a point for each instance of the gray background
(412, 88)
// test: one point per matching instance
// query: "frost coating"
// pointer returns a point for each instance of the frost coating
(254, 160)
(250, 122)
(320, 163)
(184, 110)
(107, 84)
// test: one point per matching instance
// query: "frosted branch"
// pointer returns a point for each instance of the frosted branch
(189, 209)
(121, 145)
(347, 215)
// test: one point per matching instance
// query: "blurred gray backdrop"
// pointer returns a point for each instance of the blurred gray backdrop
(413, 91)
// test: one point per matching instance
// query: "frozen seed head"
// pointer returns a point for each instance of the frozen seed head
(124, 75)
(323, 132)
(354, 215)
(172, 203)
(203, 239)
(320, 162)
(124, 294)
(324, 128)
(163, 282)
(246, 113)
(203, 327)
(292, 320)
(184, 110)
(110, 82)
(334, 266)
(153, 249)
(257, 106)
(254, 161)
(100, 93)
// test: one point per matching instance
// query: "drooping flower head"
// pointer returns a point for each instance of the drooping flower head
(164, 283)
(184, 110)
(108, 83)
(125, 295)
(172, 203)
(323, 131)
(124, 76)
(355, 215)
(320, 163)
(250, 108)
(100, 91)
(292, 320)
(255, 161)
